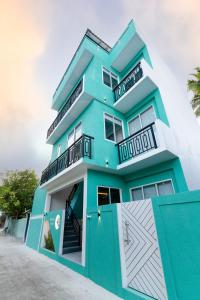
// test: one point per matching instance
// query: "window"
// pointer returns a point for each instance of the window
(113, 129)
(109, 78)
(151, 190)
(108, 195)
(142, 120)
(58, 150)
(75, 134)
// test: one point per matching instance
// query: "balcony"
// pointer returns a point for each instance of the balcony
(74, 105)
(80, 149)
(151, 145)
(137, 85)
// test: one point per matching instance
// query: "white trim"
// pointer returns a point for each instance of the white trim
(59, 150)
(109, 187)
(78, 179)
(156, 236)
(139, 115)
(65, 185)
(84, 224)
(74, 134)
(121, 246)
(112, 117)
(47, 202)
(35, 217)
(41, 232)
(156, 183)
(61, 233)
(103, 68)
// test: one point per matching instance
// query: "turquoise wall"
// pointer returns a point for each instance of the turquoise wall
(17, 228)
(34, 232)
(168, 170)
(39, 201)
(96, 179)
(178, 227)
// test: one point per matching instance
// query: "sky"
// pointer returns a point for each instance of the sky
(38, 40)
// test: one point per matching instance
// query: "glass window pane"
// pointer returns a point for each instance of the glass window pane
(103, 196)
(78, 132)
(109, 130)
(71, 138)
(137, 194)
(106, 78)
(114, 82)
(134, 125)
(59, 150)
(147, 117)
(115, 195)
(150, 191)
(165, 188)
(118, 133)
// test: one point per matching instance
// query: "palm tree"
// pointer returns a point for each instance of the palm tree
(194, 86)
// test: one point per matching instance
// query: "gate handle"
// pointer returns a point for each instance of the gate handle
(127, 240)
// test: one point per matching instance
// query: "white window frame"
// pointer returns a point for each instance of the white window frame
(74, 132)
(59, 150)
(104, 69)
(109, 187)
(139, 115)
(156, 185)
(113, 117)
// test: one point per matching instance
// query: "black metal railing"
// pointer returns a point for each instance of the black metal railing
(81, 148)
(133, 76)
(137, 143)
(70, 215)
(66, 107)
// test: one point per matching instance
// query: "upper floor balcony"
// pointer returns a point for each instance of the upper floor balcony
(138, 84)
(149, 146)
(78, 150)
(74, 105)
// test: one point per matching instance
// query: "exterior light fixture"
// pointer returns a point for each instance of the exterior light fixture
(99, 214)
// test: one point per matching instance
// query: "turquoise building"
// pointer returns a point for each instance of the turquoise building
(125, 154)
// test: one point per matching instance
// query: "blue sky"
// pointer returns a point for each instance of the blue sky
(38, 39)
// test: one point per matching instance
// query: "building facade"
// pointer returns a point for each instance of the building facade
(124, 133)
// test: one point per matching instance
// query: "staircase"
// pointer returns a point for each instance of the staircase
(72, 229)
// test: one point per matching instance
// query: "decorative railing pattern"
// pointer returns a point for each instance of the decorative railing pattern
(137, 143)
(81, 148)
(133, 76)
(66, 107)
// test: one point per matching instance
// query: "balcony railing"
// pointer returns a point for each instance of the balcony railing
(133, 76)
(137, 143)
(66, 107)
(81, 148)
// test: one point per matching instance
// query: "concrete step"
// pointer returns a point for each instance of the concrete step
(71, 249)
(71, 231)
(70, 237)
(69, 227)
(71, 243)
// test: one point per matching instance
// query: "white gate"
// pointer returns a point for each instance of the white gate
(140, 250)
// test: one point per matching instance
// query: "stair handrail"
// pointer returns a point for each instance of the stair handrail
(70, 213)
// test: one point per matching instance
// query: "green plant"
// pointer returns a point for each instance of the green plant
(194, 86)
(49, 242)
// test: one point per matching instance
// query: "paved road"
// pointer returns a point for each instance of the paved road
(28, 275)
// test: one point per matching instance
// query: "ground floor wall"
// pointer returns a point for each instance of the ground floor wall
(176, 219)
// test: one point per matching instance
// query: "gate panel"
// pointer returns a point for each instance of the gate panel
(144, 271)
